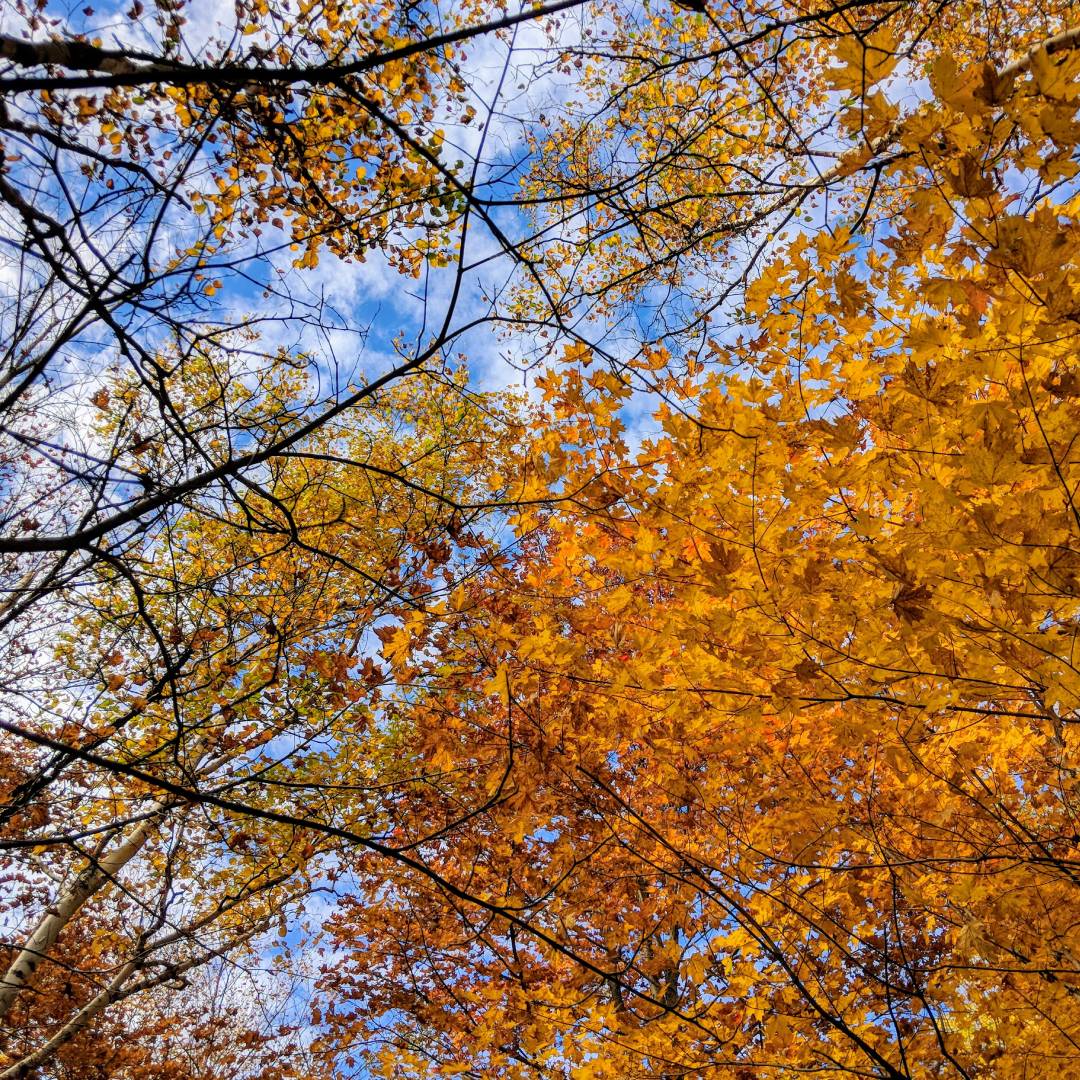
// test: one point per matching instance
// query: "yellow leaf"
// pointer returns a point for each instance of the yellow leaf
(863, 62)
(499, 685)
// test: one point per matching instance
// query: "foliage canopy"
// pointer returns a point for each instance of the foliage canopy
(710, 708)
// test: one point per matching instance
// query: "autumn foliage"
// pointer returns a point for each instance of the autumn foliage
(710, 708)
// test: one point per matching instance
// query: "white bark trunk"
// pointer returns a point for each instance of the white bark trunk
(71, 899)
(72, 1028)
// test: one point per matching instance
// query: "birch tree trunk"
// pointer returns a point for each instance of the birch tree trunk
(88, 882)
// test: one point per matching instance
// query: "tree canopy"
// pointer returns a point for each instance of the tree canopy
(540, 543)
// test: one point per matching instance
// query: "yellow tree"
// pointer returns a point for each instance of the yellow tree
(232, 658)
(193, 520)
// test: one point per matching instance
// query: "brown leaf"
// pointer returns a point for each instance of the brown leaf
(911, 602)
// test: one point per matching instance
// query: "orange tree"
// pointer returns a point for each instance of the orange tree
(785, 707)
